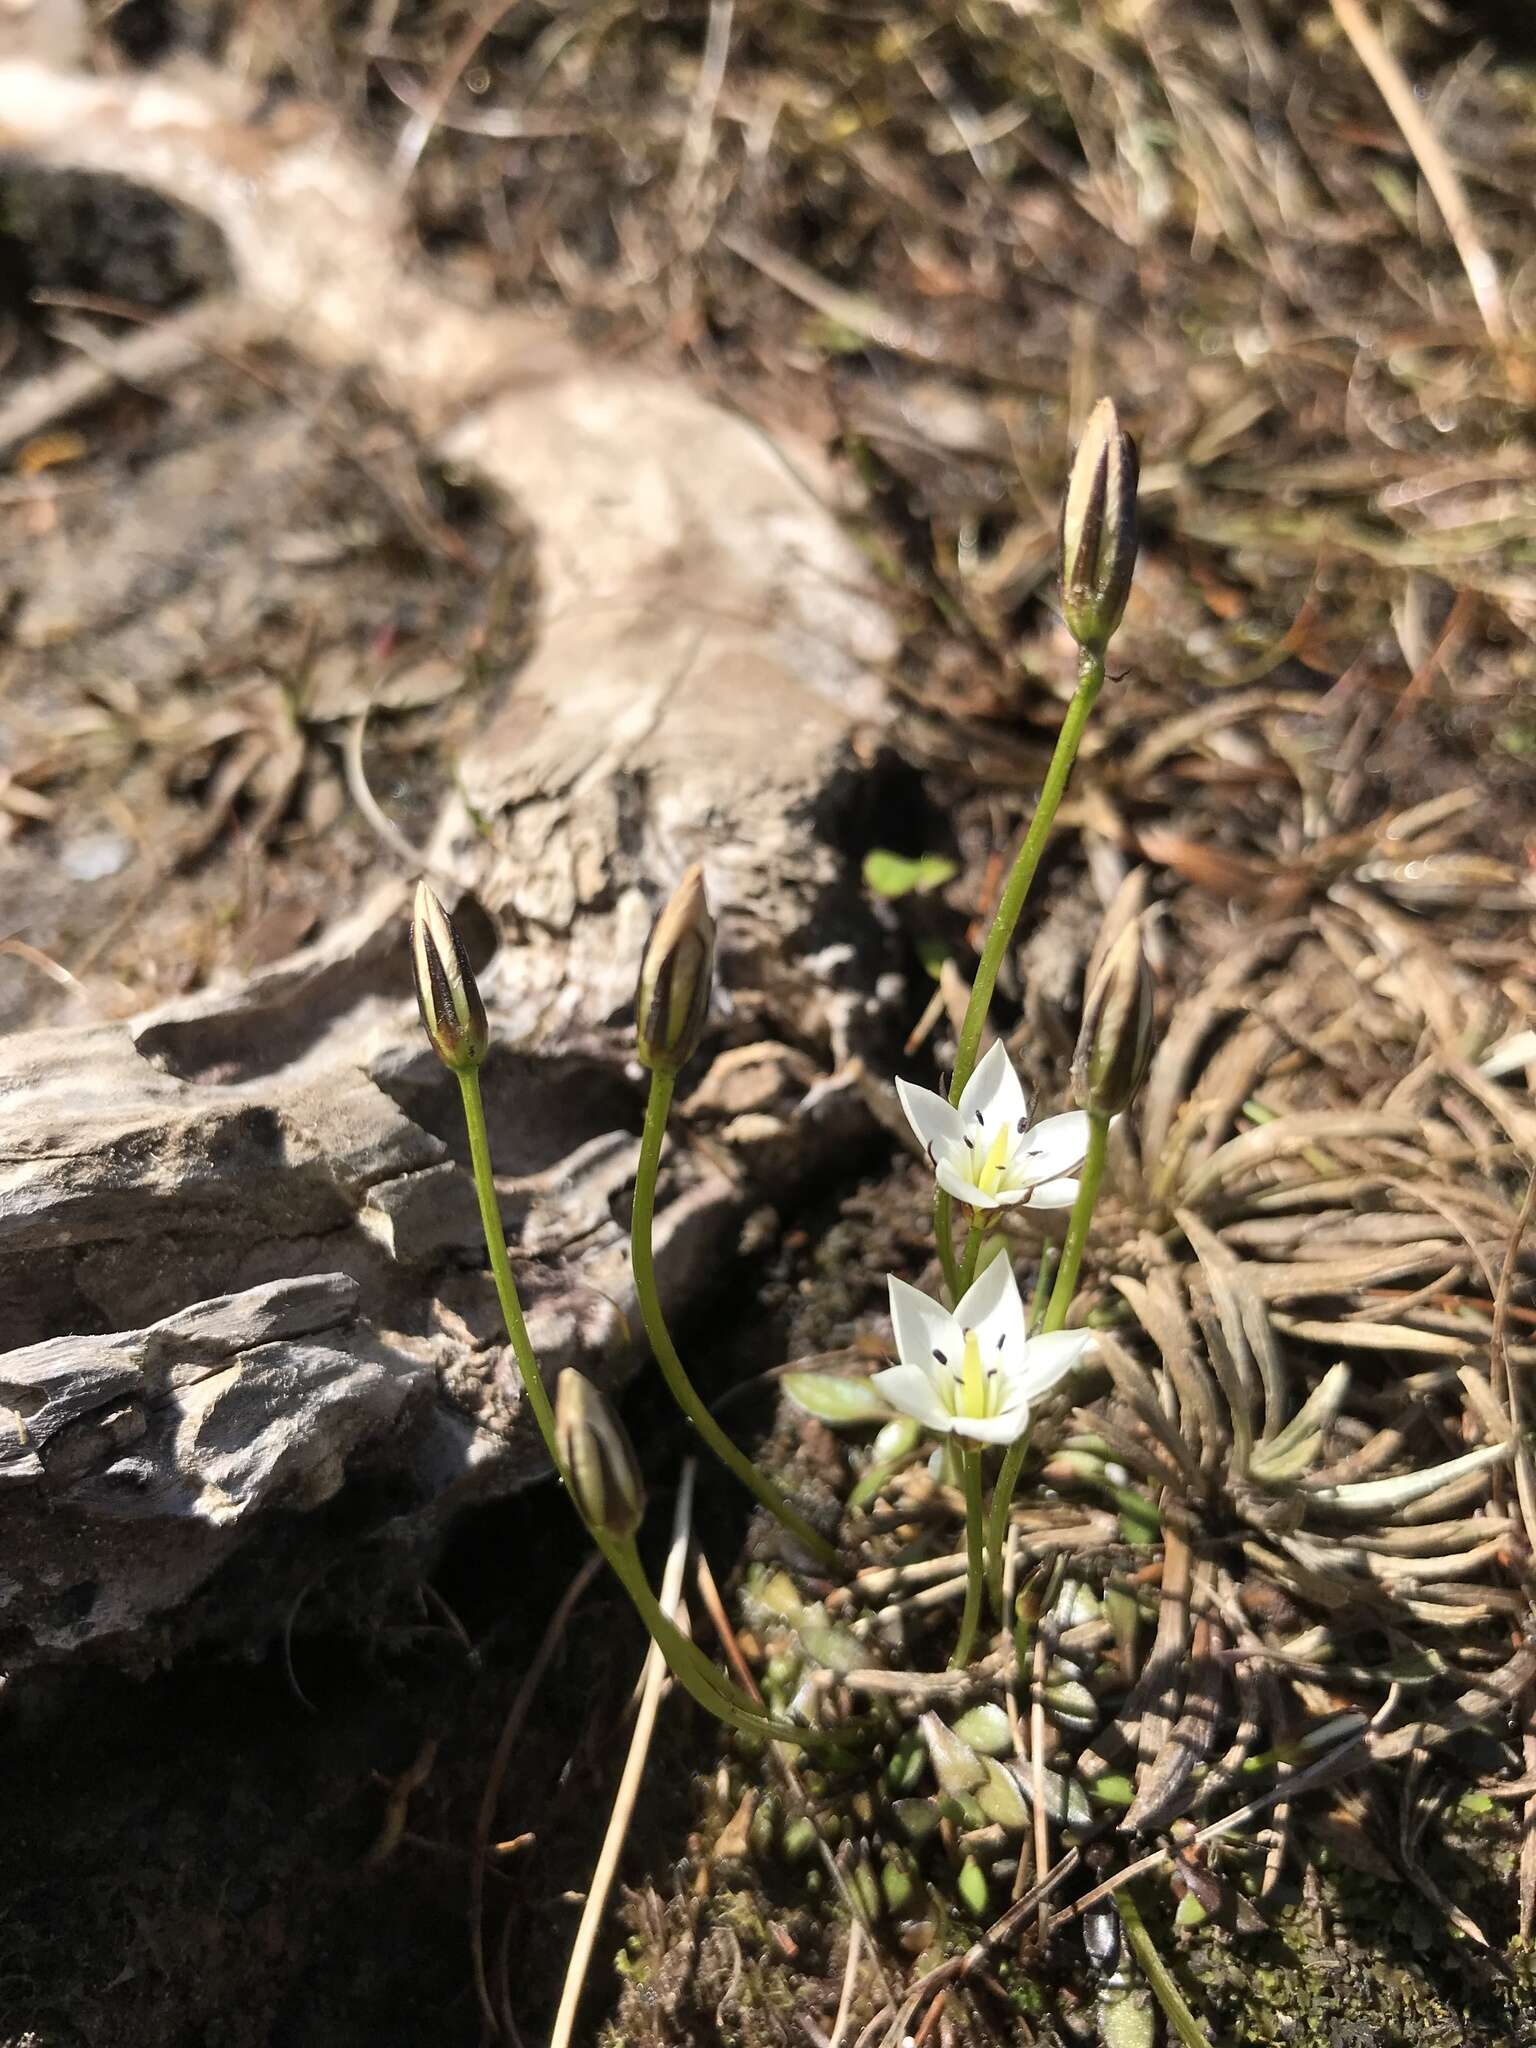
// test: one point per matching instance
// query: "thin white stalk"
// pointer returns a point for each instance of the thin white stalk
(653, 1680)
(850, 1978)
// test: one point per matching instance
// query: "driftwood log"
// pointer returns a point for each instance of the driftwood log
(239, 1256)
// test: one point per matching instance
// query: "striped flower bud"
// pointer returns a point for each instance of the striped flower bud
(1098, 529)
(596, 1451)
(446, 993)
(675, 979)
(1114, 1046)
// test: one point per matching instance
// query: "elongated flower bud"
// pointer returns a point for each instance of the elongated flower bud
(446, 992)
(675, 978)
(597, 1453)
(1114, 1046)
(1098, 529)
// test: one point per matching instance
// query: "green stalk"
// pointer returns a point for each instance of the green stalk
(713, 1691)
(997, 1520)
(1090, 680)
(975, 1238)
(970, 1461)
(496, 1246)
(1040, 1299)
(682, 1388)
(681, 1652)
(943, 1224)
(1055, 1319)
(1157, 1973)
(1078, 1224)
(703, 1679)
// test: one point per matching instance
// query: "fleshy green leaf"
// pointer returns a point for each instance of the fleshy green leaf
(832, 1398)
(1065, 1800)
(1114, 1788)
(985, 1728)
(900, 874)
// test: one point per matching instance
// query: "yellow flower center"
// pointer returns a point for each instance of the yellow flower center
(973, 1388)
(989, 1174)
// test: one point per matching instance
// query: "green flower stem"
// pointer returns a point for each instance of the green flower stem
(1078, 1224)
(1090, 680)
(496, 1246)
(970, 1463)
(713, 1691)
(943, 1225)
(683, 1389)
(1157, 1972)
(1055, 1319)
(683, 1655)
(1040, 1299)
(975, 1238)
(692, 1669)
(997, 1519)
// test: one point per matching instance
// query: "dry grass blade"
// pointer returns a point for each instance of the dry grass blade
(1164, 1790)
(1134, 1385)
(1289, 1138)
(1439, 174)
(652, 1684)
(1159, 1307)
(511, 1731)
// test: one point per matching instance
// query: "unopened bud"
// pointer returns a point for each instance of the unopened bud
(1114, 1046)
(446, 992)
(1098, 529)
(596, 1451)
(675, 978)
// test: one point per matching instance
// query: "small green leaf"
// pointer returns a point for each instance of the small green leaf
(831, 1398)
(917, 1818)
(1127, 2019)
(933, 953)
(833, 1648)
(974, 1892)
(1065, 1800)
(1114, 1788)
(1001, 1800)
(1476, 1802)
(985, 1728)
(1071, 1705)
(899, 874)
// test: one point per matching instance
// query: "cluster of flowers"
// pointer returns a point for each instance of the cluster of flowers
(973, 1371)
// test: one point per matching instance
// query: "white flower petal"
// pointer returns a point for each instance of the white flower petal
(955, 1181)
(1004, 1428)
(930, 1116)
(1050, 1358)
(992, 1096)
(992, 1308)
(908, 1388)
(1051, 1194)
(1055, 1147)
(926, 1333)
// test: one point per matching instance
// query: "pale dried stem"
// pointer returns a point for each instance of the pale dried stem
(652, 1684)
(1439, 173)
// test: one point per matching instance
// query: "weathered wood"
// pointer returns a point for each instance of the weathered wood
(238, 1246)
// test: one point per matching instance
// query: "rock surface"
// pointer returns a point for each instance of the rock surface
(238, 1247)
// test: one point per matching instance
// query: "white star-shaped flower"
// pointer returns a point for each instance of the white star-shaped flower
(974, 1372)
(985, 1152)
